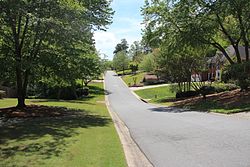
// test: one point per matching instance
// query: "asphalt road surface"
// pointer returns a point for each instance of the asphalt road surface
(178, 138)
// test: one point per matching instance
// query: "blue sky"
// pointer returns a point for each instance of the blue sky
(126, 24)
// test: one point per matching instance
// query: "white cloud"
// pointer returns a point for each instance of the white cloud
(126, 24)
(105, 41)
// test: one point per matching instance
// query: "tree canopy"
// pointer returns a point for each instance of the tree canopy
(199, 22)
(41, 37)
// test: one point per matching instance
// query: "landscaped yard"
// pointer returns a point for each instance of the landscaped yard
(84, 137)
(225, 102)
(156, 95)
(126, 72)
(129, 79)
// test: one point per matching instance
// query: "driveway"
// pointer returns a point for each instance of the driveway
(172, 137)
(148, 87)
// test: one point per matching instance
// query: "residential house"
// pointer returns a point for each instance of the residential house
(216, 62)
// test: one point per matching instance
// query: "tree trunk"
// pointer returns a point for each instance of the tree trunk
(59, 93)
(237, 53)
(243, 34)
(21, 102)
(20, 91)
(218, 46)
(247, 50)
(83, 84)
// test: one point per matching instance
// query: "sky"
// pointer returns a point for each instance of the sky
(126, 24)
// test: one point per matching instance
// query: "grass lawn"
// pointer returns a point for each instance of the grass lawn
(129, 79)
(215, 106)
(156, 95)
(126, 72)
(87, 139)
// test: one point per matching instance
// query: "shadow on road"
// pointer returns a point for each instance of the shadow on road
(106, 92)
(172, 110)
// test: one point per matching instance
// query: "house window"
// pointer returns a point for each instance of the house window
(218, 66)
(218, 74)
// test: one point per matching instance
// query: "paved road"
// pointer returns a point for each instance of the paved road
(178, 138)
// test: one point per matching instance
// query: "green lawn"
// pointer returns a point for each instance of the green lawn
(214, 106)
(161, 95)
(129, 79)
(156, 95)
(126, 72)
(88, 139)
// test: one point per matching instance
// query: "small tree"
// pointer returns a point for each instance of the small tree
(90, 68)
(148, 63)
(121, 61)
(133, 67)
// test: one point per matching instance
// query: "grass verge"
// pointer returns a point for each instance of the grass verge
(87, 139)
(133, 79)
(156, 95)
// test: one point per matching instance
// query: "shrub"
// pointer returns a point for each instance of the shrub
(85, 91)
(205, 90)
(133, 67)
(186, 94)
(225, 87)
(2, 94)
(239, 72)
(82, 92)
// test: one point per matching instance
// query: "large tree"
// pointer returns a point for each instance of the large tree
(136, 52)
(32, 31)
(122, 46)
(200, 22)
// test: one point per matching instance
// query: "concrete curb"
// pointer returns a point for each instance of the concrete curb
(138, 97)
(133, 154)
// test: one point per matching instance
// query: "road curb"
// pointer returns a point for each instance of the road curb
(133, 154)
(138, 97)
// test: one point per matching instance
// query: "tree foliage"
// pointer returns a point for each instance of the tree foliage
(186, 30)
(121, 61)
(148, 63)
(136, 52)
(123, 46)
(200, 22)
(43, 39)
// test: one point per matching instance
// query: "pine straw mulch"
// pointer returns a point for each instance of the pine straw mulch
(228, 99)
(34, 111)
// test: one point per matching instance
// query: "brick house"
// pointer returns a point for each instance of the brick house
(216, 63)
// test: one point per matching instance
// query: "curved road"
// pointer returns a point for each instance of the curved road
(178, 138)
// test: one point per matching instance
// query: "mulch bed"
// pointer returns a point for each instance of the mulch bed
(230, 98)
(34, 111)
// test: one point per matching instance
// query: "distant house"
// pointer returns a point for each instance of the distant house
(9, 92)
(150, 79)
(198, 77)
(216, 62)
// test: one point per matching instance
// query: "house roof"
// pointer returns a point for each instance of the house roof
(219, 57)
(150, 77)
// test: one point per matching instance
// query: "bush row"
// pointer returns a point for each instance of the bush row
(206, 90)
